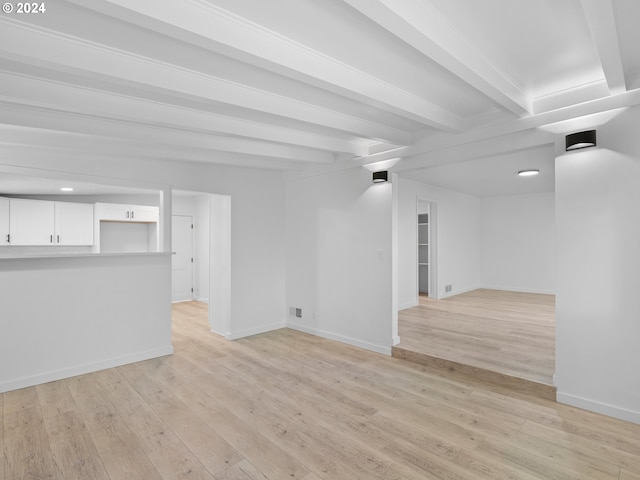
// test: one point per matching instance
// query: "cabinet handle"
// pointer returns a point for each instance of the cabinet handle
(127, 213)
(131, 213)
(8, 238)
(58, 238)
(51, 238)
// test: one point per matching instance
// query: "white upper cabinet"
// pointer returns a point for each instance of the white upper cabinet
(114, 212)
(141, 213)
(73, 223)
(31, 222)
(4, 221)
(45, 223)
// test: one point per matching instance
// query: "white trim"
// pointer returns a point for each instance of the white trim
(599, 407)
(254, 330)
(408, 305)
(342, 339)
(457, 292)
(202, 300)
(83, 369)
(519, 289)
(395, 340)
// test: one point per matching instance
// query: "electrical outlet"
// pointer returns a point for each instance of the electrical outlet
(448, 288)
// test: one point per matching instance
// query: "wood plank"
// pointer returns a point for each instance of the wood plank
(245, 471)
(214, 451)
(510, 333)
(285, 404)
(629, 475)
(26, 445)
(55, 399)
(118, 447)
(251, 444)
(73, 449)
(171, 457)
(488, 374)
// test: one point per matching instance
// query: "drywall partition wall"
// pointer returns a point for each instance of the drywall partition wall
(518, 243)
(597, 303)
(57, 320)
(339, 258)
(202, 231)
(457, 240)
(257, 223)
(220, 265)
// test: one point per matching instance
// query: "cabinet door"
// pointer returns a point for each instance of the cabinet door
(4, 221)
(74, 223)
(141, 213)
(113, 212)
(31, 222)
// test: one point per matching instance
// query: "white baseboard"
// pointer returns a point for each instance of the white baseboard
(457, 292)
(202, 300)
(598, 407)
(255, 330)
(341, 338)
(24, 382)
(519, 289)
(408, 305)
(396, 340)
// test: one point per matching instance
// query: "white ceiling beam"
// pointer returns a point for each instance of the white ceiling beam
(602, 24)
(25, 43)
(71, 98)
(260, 45)
(51, 119)
(491, 147)
(420, 25)
(17, 143)
(442, 141)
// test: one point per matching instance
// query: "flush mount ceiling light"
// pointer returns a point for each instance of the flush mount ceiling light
(528, 173)
(380, 177)
(66, 189)
(579, 140)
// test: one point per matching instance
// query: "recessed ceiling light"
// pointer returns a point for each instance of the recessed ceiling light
(528, 173)
(66, 189)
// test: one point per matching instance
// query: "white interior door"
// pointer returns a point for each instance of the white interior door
(182, 260)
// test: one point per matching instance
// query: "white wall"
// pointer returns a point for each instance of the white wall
(598, 306)
(339, 258)
(220, 268)
(518, 243)
(202, 229)
(257, 218)
(457, 230)
(67, 316)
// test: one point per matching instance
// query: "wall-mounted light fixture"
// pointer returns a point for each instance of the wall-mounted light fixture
(381, 176)
(579, 140)
(528, 173)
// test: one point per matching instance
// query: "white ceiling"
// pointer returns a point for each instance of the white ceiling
(17, 184)
(462, 91)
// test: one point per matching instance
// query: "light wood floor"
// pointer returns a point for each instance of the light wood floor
(507, 332)
(286, 405)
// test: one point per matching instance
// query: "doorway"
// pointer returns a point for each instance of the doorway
(203, 221)
(426, 249)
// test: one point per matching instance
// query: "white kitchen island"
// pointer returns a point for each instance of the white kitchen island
(67, 314)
